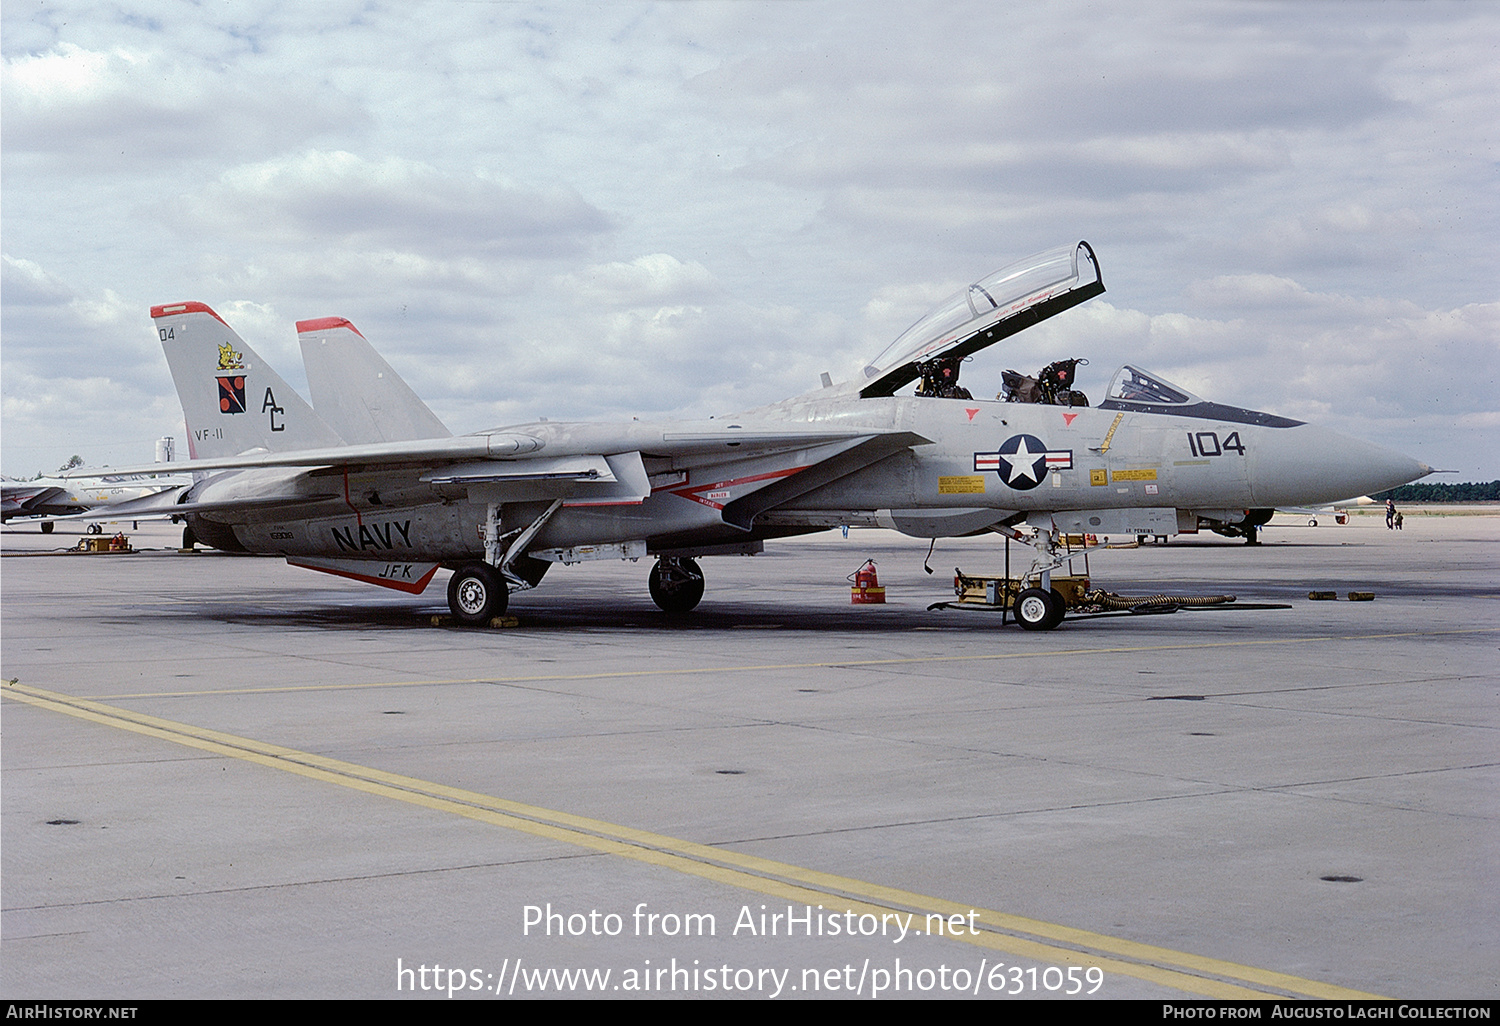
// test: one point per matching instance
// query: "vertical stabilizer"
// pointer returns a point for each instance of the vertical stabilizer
(356, 391)
(233, 401)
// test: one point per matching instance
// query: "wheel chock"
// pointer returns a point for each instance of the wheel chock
(1361, 596)
(1323, 596)
(496, 622)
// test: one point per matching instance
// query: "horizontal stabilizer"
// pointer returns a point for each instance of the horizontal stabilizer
(177, 501)
(356, 457)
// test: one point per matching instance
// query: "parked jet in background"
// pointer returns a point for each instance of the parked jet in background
(1337, 511)
(384, 494)
(46, 497)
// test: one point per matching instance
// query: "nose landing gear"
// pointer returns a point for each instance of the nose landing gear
(1037, 609)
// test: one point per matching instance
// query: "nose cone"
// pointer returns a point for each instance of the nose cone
(1307, 465)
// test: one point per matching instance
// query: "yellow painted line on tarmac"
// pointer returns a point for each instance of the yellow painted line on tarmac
(1014, 935)
(1030, 653)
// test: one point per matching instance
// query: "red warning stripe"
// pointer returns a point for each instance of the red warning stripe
(327, 324)
(173, 309)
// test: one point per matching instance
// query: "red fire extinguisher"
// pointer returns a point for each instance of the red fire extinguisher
(866, 588)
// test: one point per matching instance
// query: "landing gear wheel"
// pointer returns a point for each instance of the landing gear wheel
(676, 584)
(47, 526)
(1059, 607)
(477, 593)
(96, 529)
(1038, 610)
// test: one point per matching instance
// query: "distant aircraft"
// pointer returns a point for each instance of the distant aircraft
(1339, 511)
(388, 496)
(58, 497)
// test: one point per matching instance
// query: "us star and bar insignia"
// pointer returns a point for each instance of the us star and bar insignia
(1023, 460)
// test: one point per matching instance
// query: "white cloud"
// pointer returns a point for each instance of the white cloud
(650, 280)
(25, 284)
(335, 200)
(590, 211)
(101, 111)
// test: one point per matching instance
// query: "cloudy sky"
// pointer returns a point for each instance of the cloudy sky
(595, 211)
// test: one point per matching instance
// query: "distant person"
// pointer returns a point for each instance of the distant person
(1399, 518)
(1390, 514)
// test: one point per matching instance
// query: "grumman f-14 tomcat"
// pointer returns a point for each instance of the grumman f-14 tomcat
(379, 491)
(48, 498)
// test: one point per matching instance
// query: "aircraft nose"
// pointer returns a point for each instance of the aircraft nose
(1306, 465)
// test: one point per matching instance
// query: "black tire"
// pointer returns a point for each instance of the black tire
(477, 593)
(676, 585)
(1038, 610)
(1059, 608)
(189, 539)
(47, 526)
(96, 529)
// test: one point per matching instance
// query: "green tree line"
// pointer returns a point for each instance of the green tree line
(1469, 491)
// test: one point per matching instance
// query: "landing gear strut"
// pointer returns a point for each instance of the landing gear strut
(1039, 608)
(676, 584)
(480, 591)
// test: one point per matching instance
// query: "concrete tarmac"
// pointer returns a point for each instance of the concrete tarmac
(226, 777)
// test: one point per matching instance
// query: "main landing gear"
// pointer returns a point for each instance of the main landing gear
(477, 593)
(676, 584)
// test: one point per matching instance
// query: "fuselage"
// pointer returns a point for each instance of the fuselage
(980, 462)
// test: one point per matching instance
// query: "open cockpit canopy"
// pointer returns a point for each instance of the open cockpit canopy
(995, 307)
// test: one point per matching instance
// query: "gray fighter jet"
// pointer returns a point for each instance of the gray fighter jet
(379, 491)
(50, 498)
